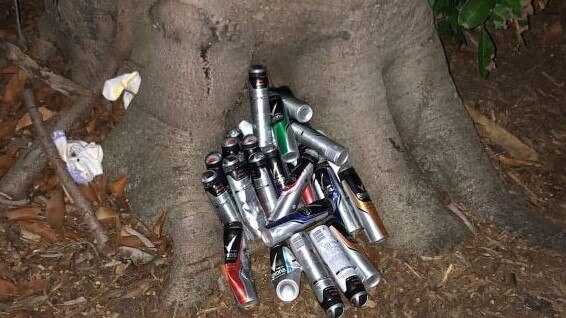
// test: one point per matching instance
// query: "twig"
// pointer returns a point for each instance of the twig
(59, 83)
(83, 206)
(21, 35)
(7, 200)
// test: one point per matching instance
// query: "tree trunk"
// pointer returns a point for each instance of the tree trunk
(374, 72)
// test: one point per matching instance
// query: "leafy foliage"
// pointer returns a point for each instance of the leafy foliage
(455, 17)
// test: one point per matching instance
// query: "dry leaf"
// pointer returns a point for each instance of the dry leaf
(105, 215)
(91, 126)
(10, 69)
(24, 214)
(501, 137)
(138, 257)
(514, 162)
(6, 161)
(100, 187)
(88, 192)
(15, 86)
(130, 241)
(160, 223)
(7, 289)
(55, 211)
(40, 229)
(7, 128)
(26, 120)
(33, 286)
(117, 187)
(553, 35)
(49, 182)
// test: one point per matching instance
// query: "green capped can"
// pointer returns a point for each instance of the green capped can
(282, 130)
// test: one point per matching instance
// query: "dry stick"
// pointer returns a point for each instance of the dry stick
(21, 36)
(83, 206)
(59, 83)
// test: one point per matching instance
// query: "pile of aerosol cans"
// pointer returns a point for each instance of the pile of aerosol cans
(287, 183)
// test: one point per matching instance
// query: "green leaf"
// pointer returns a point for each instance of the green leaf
(486, 53)
(474, 12)
(442, 6)
(500, 14)
(514, 5)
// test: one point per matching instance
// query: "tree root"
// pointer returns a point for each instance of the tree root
(83, 206)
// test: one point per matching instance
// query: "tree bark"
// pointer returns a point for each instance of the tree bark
(374, 72)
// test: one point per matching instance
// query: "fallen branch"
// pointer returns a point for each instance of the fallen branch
(500, 136)
(18, 180)
(59, 83)
(83, 206)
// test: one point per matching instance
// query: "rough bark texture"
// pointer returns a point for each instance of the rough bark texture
(375, 73)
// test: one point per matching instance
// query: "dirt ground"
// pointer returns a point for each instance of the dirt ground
(47, 269)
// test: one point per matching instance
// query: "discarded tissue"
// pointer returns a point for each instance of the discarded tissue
(128, 83)
(84, 160)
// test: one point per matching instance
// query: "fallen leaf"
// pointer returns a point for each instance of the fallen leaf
(117, 187)
(100, 187)
(7, 289)
(515, 162)
(88, 192)
(49, 182)
(160, 223)
(55, 210)
(40, 229)
(130, 241)
(15, 86)
(23, 214)
(10, 69)
(91, 126)
(137, 256)
(6, 161)
(26, 120)
(501, 137)
(33, 286)
(553, 35)
(106, 215)
(7, 128)
(73, 302)
(140, 236)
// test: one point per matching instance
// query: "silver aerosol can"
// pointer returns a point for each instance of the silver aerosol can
(342, 269)
(285, 272)
(325, 146)
(262, 180)
(298, 110)
(368, 273)
(259, 100)
(251, 212)
(332, 189)
(308, 215)
(250, 145)
(367, 213)
(295, 186)
(220, 197)
(320, 279)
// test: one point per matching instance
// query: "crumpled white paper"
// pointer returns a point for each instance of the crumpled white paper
(128, 83)
(84, 160)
